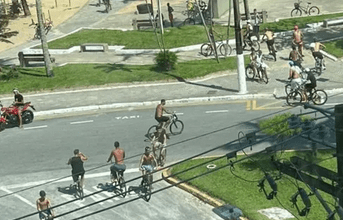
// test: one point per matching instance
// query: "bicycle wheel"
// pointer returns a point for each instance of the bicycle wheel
(206, 49)
(163, 155)
(146, 189)
(151, 131)
(264, 76)
(294, 98)
(250, 72)
(314, 10)
(319, 97)
(122, 186)
(255, 44)
(189, 21)
(296, 12)
(80, 190)
(225, 49)
(176, 127)
(288, 89)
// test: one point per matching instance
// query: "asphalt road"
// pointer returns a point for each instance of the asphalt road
(39, 153)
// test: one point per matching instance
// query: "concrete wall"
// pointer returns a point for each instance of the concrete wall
(220, 7)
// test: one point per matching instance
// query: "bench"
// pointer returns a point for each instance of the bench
(24, 59)
(97, 47)
(262, 14)
(138, 24)
(329, 22)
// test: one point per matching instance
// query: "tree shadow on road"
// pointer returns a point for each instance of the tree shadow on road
(180, 79)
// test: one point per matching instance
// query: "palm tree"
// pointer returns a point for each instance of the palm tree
(5, 33)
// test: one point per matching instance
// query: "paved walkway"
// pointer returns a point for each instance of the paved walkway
(217, 86)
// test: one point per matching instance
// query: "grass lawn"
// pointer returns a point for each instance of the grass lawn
(145, 39)
(79, 75)
(335, 48)
(173, 37)
(245, 193)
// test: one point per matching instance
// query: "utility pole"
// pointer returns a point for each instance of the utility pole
(246, 9)
(160, 15)
(48, 65)
(339, 148)
(239, 49)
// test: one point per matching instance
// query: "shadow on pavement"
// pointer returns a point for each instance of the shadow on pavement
(180, 79)
(67, 190)
(113, 67)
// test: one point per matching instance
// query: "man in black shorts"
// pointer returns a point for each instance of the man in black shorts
(310, 86)
(159, 113)
(76, 163)
(19, 102)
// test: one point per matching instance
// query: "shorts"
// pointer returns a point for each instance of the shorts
(148, 168)
(46, 211)
(76, 176)
(118, 168)
(318, 54)
(310, 86)
(162, 119)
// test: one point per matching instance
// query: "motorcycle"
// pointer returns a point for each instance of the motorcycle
(9, 115)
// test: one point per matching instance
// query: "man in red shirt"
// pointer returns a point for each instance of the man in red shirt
(118, 166)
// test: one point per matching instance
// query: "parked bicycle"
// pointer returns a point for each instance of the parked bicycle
(296, 97)
(298, 9)
(176, 127)
(224, 49)
(47, 28)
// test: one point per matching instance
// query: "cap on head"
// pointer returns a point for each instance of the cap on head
(116, 144)
(15, 91)
(76, 151)
(42, 193)
(296, 27)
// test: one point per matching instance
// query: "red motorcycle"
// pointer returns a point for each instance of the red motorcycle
(9, 115)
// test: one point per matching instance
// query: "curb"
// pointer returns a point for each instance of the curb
(197, 193)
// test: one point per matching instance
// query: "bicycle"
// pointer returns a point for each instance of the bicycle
(251, 44)
(176, 126)
(120, 183)
(160, 153)
(225, 49)
(78, 189)
(108, 5)
(317, 96)
(45, 216)
(298, 9)
(47, 28)
(260, 71)
(146, 184)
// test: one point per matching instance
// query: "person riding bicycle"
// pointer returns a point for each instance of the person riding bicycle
(256, 60)
(147, 162)
(248, 33)
(44, 206)
(76, 163)
(294, 74)
(298, 39)
(316, 46)
(19, 103)
(310, 86)
(159, 114)
(295, 57)
(269, 37)
(118, 166)
(159, 139)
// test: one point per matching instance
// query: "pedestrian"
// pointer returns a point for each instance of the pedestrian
(256, 17)
(298, 39)
(171, 17)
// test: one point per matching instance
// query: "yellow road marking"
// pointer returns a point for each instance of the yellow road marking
(248, 105)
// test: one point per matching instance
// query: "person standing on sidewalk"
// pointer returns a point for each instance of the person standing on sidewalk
(269, 37)
(171, 17)
(298, 39)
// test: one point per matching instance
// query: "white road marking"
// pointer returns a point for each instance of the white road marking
(43, 126)
(217, 111)
(19, 197)
(332, 104)
(77, 202)
(80, 122)
(106, 193)
(179, 113)
(95, 197)
(94, 175)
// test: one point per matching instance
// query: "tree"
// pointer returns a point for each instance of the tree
(25, 7)
(5, 33)
(48, 65)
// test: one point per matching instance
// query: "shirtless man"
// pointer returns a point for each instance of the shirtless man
(44, 206)
(294, 74)
(147, 162)
(118, 166)
(270, 40)
(298, 39)
(159, 114)
(316, 51)
(19, 102)
(295, 57)
(248, 34)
